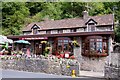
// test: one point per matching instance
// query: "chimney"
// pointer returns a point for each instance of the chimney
(85, 15)
(46, 19)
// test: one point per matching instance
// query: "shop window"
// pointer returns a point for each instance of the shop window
(95, 46)
(62, 45)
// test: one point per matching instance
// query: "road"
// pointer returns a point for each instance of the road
(23, 74)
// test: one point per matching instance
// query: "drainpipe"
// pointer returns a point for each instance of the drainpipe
(110, 48)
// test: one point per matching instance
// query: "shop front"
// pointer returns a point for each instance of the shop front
(36, 46)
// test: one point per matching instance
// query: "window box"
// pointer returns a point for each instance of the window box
(95, 54)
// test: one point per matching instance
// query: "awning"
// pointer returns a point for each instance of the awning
(4, 39)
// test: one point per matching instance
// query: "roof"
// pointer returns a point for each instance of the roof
(71, 22)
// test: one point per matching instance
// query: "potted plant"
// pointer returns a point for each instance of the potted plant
(47, 50)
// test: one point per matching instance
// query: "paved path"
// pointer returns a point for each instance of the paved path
(92, 74)
(23, 74)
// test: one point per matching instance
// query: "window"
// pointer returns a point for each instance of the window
(73, 30)
(35, 31)
(66, 31)
(91, 27)
(94, 45)
(62, 45)
(54, 31)
(42, 32)
(60, 31)
(80, 30)
(48, 32)
(99, 46)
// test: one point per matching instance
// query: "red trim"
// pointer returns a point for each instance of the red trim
(37, 38)
(95, 55)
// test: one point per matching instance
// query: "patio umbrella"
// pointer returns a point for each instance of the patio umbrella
(22, 41)
(2, 39)
(10, 40)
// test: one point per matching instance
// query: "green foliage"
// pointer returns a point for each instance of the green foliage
(72, 9)
(96, 8)
(50, 11)
(0, 30)
(117, 34)
(34, 7)
(13, 14)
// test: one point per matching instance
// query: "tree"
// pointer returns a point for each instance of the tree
(52, 10)
(72, 9)
(117, 17)
(34, 7)
(13, 15)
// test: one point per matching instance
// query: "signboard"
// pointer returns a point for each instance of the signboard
(66, 55)
(35, 38)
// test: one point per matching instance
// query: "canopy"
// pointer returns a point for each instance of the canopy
(1, 42)
(4, 39)
(22, 41)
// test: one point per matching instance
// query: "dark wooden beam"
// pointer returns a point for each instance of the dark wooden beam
(62, 34)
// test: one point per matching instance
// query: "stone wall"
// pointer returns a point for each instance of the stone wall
(112, 66)
(56, 66)
(95, 64)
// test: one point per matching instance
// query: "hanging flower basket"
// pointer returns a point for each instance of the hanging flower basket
(47, 50)
(43, 42)
(75, 43)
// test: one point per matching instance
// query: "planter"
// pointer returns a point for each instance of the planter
(72, 57)
(95, 55)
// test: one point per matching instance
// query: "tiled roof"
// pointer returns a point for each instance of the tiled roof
(71, 22)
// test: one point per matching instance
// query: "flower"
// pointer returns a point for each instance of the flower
(68, 66)
(75, 43)
(2, 57)
(47, 48)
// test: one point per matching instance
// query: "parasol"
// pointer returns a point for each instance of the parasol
(21, 41)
